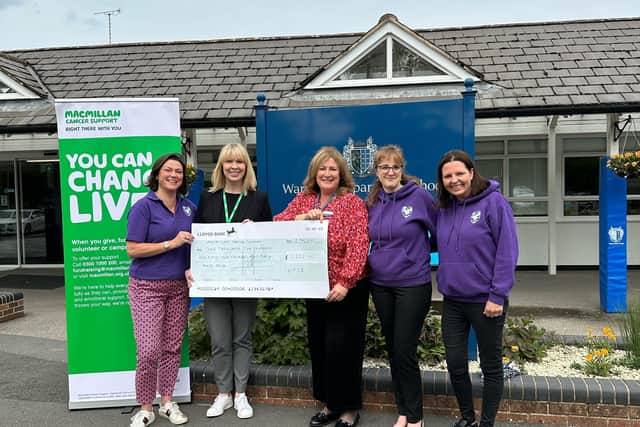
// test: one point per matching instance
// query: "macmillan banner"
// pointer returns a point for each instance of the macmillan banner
(107, 148)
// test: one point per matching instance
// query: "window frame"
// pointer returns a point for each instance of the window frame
(505, 157)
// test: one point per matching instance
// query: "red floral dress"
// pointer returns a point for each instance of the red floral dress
(348, 239)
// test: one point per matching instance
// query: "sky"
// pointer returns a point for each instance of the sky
(32, 24)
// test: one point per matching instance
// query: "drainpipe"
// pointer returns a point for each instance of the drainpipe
(554, 197)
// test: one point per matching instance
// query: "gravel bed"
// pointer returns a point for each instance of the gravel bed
(557, 364)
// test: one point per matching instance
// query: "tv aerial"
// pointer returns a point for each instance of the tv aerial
(109, 14)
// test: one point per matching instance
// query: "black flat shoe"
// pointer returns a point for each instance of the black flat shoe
(343, 423)
(322, 419)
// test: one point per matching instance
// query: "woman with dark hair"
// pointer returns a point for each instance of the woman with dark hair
(232, 198)
(402, 214)
(478, 249)
(158, 239)
(336, 325)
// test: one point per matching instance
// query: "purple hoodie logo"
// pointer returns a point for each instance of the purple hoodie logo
(406, 211)
(186, 210)
(475, 217)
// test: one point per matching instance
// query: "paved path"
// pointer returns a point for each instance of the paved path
(33, 392)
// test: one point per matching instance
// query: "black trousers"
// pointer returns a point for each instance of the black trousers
(402, 312)
(457, 317)
(336, 343)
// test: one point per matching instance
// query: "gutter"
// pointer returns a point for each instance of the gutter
(485, 113)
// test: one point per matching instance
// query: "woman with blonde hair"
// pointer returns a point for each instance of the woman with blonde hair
(232, 198)
(336, 325)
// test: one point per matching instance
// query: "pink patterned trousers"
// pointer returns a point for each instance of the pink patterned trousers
(159, 309)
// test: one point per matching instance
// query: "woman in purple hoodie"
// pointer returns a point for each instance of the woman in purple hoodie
(401, 216)
(478, 249)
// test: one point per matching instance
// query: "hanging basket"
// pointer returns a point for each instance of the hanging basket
(626, 165)
(190, 174)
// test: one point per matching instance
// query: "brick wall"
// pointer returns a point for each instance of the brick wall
(536, 400)
(11, 305)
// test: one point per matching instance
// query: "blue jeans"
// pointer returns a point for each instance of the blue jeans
(457, 317)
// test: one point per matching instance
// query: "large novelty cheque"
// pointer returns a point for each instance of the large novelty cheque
(260, 260)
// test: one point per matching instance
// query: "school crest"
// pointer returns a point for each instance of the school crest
(475, 217)
(359, 156)
(406, 211)
(616, 234)
(186, 210)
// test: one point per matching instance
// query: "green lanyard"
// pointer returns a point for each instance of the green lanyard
(228, 217)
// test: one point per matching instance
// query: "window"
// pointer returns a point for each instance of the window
(4, 89)
(520, 166)
(372, 66)
(405, 65)
(582, 178)
(207, 159)
(580, 166)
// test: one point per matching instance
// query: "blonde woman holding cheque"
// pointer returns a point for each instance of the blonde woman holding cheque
(233, 198)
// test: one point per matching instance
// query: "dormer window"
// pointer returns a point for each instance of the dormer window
(4, 89)
(391, 54)
(11, 90)
(404, 63)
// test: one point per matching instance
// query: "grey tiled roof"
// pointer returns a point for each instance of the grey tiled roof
(577, 66)
(19, 71)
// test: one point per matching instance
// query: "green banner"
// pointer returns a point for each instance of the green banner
(107, 149)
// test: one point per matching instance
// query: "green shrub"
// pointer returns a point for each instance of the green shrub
(431, 346)
(630, 331)
(523, 341)
(374, 345)
(280, 335)
(199, 341)
(280, 332)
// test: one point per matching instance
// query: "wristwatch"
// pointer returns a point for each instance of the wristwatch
(165, 245)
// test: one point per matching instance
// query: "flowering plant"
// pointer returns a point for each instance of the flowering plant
(598, 359)
(190, 174)
(626, 165)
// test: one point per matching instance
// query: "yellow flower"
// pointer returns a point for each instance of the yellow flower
(515, 348)
(590, 332)
(589, 357)
(604, 352)
(637, 153)
(615, 156)
(505, 360)
(634, 164)
(627, 154)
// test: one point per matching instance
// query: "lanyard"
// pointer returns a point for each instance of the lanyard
(228, 217)
(316, 205)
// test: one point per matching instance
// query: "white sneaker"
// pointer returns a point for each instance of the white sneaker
(142, 418)
(219, 405)
(241, 404)
(172, 412)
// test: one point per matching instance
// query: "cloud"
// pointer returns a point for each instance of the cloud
(90, 21)
(6, 4)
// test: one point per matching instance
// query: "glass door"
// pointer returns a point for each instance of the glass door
(8, 220)
(40, 219)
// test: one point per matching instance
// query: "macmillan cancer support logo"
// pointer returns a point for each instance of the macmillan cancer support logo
(359, 156)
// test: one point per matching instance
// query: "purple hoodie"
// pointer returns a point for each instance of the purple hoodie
(478, 248)
(398, 227)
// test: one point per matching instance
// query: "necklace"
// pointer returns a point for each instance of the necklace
(228, 217)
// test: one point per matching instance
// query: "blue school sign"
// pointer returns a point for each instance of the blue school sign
(287, 139)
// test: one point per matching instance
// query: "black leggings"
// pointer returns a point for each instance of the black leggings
(457, 317)
(402, 312)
